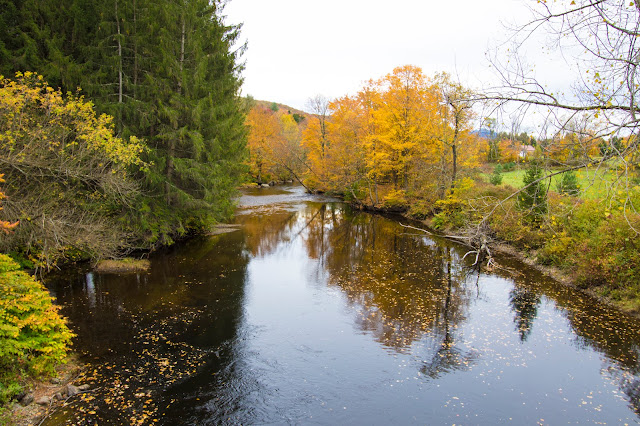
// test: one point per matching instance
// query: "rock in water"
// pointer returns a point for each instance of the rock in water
(27, 399)
(43, 400)
(71, 390)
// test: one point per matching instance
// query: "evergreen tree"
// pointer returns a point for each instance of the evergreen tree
(46, 37)
(533, 198)
(197, 138)
(168, 72)
(496, 176)
(568, 183)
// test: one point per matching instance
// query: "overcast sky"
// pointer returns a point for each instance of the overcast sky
(298, 49)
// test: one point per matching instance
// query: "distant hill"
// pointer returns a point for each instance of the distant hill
(485, 133)
(282, 107)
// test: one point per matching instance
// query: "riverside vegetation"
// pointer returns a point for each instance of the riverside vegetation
(121, 129)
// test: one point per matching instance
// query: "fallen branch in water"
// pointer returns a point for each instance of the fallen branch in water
(478, 242)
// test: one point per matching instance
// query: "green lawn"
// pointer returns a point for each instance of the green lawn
(592, 185)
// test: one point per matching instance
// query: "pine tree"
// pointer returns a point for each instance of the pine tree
(496, 176)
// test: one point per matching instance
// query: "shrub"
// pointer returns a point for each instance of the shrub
(509, 226)
(507, 167)
(420, 209)
(68, 176)
(451, 213)
(609, 256)
(395, 200)
(585, 219)
(556, 250)
(34, 338)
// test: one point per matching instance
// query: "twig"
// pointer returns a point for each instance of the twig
(49, 413)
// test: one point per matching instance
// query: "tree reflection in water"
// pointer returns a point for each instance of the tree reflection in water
(200, 338)
(404, 288)
(524, 304)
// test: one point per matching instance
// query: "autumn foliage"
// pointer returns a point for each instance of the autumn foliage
(33, 336)
(274, 144)
(5, 226)
(68, 175)
(402, 135)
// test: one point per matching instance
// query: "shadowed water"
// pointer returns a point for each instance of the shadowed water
(312, 313)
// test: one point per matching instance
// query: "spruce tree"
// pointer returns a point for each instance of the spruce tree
(568, 183)
(496, 176)
(197, 136)
(533, 198)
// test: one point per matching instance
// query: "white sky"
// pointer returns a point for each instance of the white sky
(298, 49)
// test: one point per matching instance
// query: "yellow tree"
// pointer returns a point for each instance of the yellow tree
(286, 152)
(369, 102)
(315, 139)
(264, 133)
(346, 167)
(579, 143)
(402, 120)
(68, 176)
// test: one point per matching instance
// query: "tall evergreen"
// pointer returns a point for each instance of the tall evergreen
(168, 73)
(191, 94)
(46, 37)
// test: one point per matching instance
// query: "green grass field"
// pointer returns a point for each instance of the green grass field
(593, 184)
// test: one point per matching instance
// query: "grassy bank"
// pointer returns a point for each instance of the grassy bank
(594, 184)
(591, 239)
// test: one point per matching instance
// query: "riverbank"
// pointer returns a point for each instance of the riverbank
(41, 397)
(602, 263)
(562, 276)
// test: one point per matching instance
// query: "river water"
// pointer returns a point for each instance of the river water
(312, 313)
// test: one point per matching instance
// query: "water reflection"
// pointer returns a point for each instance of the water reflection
(315, 313)
(401, 287)
(144, 334)
(524, 304)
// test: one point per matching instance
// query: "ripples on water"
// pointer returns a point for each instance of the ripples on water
(314, 313)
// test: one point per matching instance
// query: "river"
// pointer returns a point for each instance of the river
(313, 313)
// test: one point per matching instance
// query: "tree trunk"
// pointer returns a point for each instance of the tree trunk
(119, 60)
(135, 50)
(171, 151)
(454, 153)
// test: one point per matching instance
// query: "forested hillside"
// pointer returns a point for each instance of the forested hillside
(169, 75)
